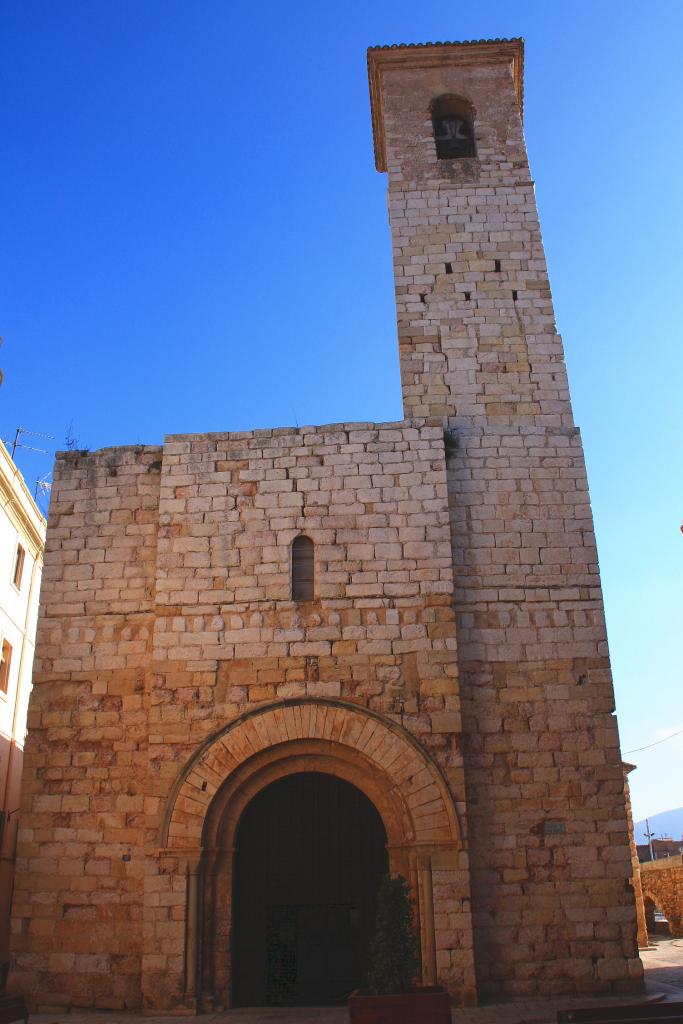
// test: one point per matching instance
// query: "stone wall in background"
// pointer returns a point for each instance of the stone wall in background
(662, 885)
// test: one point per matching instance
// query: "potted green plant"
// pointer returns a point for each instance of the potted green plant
(393, 995)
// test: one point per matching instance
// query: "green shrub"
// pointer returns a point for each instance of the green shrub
(394, 957)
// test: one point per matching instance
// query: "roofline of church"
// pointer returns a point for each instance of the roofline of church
(420, 55)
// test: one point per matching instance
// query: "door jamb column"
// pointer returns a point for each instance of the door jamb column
(426, 888)
(192, 872)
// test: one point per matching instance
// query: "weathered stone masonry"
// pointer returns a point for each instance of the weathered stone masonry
(662, 885)
(78, 904)
(479, 348)
(188, 548)
(453, 665)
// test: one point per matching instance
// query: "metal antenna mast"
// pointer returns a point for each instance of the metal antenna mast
(16, 443)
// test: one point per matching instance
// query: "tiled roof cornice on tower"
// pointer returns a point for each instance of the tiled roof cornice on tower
(413, 55)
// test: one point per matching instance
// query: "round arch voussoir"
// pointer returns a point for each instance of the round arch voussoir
(387, 748)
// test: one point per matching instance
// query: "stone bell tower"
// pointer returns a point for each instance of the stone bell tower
(553, 909)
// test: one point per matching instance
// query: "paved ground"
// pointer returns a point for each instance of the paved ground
(663, 963)
(663, 981)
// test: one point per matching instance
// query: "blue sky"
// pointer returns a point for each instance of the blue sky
(195, 238)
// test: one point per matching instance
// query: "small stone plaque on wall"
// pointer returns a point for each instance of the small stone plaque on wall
(554, 828)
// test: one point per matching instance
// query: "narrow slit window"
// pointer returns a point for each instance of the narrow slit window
(5, 662)
(303, 569)
(18, 566)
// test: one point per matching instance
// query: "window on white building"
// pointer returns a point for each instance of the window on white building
(18, 566)
(5, 662)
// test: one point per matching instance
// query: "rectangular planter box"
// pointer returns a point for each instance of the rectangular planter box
(424, 1006)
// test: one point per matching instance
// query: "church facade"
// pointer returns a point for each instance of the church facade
(273, 665)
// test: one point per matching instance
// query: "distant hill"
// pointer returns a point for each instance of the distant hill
(668, 823)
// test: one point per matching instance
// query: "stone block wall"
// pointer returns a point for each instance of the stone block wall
(542, 744)
(662, 885)
(78, 893)
(641, 922)
(479, 348)
(228, 637)
(381, 628)
(167, 615)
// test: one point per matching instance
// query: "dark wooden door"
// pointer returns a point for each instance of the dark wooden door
(310, 851)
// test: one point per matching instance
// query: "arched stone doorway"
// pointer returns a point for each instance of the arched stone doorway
(310, 850)
(199, 834)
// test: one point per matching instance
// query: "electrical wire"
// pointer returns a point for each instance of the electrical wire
(655, 744)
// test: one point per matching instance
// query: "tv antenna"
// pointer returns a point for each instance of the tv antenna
(16, 443)
(43, 486)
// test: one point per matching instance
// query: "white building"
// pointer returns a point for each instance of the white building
(22, 540)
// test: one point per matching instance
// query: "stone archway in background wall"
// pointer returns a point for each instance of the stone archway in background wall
(663, 889)
(650, 909)
(203, 811)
